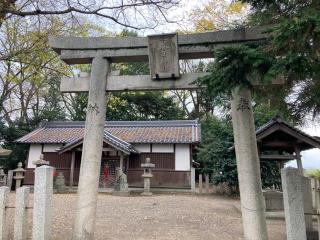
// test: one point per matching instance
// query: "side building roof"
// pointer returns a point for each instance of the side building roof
(174, 131)
(277, 129)
(276, 132)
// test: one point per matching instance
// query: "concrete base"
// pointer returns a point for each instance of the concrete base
(121, 193)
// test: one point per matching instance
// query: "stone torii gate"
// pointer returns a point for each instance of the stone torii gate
(163, 53)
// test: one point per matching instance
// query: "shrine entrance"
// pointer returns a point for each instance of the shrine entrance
(163, 53)
(109, 164)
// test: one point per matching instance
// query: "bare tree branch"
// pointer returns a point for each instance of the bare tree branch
(9, 7)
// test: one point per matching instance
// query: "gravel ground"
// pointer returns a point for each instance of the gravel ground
(161, 217)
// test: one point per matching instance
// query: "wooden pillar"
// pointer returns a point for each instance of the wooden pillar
(121, 161)
(73, 156)
(298, 158)
(85, 210)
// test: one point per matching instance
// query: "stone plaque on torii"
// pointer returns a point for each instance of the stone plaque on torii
(163, 53)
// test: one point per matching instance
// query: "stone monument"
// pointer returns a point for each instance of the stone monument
(273, 200)
(147, 175)
(9, 179)
(60, 183)
(121, 185)
(19, 175)
(40, 162)
(3, 177)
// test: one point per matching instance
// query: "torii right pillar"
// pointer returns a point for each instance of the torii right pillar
(248, 166)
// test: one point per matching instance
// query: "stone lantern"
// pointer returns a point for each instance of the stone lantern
(3, 177)
(18, 175)
(147, 175)
(40, 162)
(60, 183)
(4, 152)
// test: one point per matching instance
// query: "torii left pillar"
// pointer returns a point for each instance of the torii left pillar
(92, 149)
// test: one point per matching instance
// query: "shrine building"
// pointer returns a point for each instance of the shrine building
(126, 144)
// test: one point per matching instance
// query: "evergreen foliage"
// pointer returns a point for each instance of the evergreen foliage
(295, 44)
(217, 157)
(238, 65)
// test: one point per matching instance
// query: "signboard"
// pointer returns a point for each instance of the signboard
(163, 56)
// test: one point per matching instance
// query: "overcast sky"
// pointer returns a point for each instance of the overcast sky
(310, 158)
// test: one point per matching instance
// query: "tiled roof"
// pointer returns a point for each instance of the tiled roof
(279, 121)
(175, 131)
(108, 138)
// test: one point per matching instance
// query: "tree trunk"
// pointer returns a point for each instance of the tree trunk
(248, 165)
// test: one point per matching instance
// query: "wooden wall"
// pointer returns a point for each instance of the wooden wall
(161, 160)
(161, 178)
(164, 172)
(62, 163)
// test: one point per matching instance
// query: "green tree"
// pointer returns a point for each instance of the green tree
(216, 156)
(295, 45)
(143, 106)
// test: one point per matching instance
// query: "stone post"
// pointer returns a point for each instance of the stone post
(20, 218)
(42, 203)
(193, 179)
(9, 179)
(92, 151)
(313, 187)
(200, 183)
(207, 182)
(307, 202)
(248, 166)
(317, 203)
(306, 192)
(4, 193)
(3, 177)
(293, 204)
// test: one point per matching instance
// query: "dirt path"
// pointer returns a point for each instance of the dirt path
(161, 217)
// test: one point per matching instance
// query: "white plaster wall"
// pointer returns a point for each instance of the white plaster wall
(182, 155)
(51, 147)
(163, 148)
(142, 147)
(34, 154)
